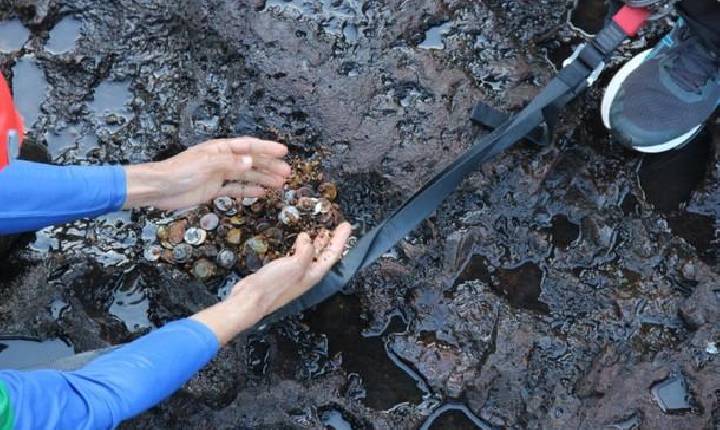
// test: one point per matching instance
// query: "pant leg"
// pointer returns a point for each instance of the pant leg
(703, 17)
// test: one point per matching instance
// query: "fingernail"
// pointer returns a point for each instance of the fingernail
(247, 161)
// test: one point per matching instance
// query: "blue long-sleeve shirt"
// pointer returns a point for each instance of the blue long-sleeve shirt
(34, 195)
(121, 383)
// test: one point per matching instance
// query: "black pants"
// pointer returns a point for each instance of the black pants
(703, 17)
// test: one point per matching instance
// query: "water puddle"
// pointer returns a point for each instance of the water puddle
(668, 179)
(672, 395)
(64, 36)
(588, 16)
(45, 241)
(699, 231)
(129, 302)
(521, 285)
(13, 36)
(434, 36)
(455, 417)
(564, 231)
(19, 352)
(29, 89)
(476, 269)
(333, 419)
(110, 104)
(59, 143)
(386, 384)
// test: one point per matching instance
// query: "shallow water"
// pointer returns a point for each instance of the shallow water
(109, 104)
(434, 36)
(23, 353)
(13, 35)
(334, 420)
(130, 303)
(671, 395)
(64, 36)
(29, 88)
(340, 320)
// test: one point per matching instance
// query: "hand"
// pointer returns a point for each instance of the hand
(242, 167)
(276, 284)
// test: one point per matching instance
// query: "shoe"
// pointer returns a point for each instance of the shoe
(659, 100)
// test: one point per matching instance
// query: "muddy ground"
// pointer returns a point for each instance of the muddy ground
(569, 286)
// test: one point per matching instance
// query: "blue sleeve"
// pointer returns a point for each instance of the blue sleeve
(115, 386)
(34, 195)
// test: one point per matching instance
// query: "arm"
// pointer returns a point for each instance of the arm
(36, 195)
(131, 379)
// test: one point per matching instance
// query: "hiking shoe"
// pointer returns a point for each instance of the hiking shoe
(660, 99)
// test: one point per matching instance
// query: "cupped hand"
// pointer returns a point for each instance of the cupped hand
(276, 284)
(285, 279)
(240, 167)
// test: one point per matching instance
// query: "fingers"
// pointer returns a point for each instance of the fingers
(240, 191)
(321, 241)
(245, 145)
(260, 178)
(271, 165)
(304, 249)
(332, 253)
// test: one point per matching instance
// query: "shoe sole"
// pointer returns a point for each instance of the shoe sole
(612, 91)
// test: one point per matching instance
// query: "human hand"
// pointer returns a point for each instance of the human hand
(276, 284)
(241, 167)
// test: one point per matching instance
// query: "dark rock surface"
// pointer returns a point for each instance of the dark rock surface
(571, 286)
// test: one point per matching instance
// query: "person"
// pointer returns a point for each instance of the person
(660, 99)
(130, 379)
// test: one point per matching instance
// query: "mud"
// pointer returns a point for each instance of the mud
(569, 286)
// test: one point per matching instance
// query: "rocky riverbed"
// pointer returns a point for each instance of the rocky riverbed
(569, 286)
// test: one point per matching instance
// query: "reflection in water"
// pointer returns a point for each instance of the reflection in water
(24, 352)
(434, 36)
(13, 36)
(29, 87)
(63, 36)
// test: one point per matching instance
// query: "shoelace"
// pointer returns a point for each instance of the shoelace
(693, 65)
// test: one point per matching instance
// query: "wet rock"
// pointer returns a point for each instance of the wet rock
(347, 88)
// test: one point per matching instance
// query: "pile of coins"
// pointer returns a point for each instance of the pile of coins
(243, 235)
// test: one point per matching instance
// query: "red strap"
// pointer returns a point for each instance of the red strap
(631, 19)
(9, 120)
